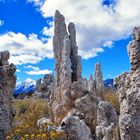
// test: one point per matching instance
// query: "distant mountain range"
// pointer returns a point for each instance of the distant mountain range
(108, 83)
(28, 87)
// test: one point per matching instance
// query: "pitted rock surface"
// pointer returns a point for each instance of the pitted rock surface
(128, 87)
(7, 84)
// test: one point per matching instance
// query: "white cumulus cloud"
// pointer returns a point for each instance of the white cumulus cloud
(96, 24)
(26, 49)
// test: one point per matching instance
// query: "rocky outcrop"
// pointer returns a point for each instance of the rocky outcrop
(38, 83)
(44, 122)
(44, 87)
(75, 128)
(107, 121)
(7, 84)
(128, 87)
(95, 85)
(99, 83)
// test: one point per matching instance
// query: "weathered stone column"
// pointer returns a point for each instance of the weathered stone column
(59, 33)
(99, 84)
(7, 84)
(75, 59)
(129, 120)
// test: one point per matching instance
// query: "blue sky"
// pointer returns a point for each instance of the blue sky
(26, 30)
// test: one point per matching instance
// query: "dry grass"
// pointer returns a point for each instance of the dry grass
(112, 97)
(28, 111)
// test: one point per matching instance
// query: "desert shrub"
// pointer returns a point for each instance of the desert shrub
(112, 97)
(28, 111)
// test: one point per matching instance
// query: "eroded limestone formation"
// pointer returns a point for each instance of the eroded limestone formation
(65, 51)
(67, 67)
(129, 93)
(73, 94)
(99, 84)
(107, 121)
(91, 84)
(75, 128)
(7, 84)
(95, 85)
(44, 87)
(59, 33)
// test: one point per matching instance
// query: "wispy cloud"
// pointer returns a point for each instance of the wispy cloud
(1, 22)
(36, 71)
(96, 23)
(36, 2)
(31, 67)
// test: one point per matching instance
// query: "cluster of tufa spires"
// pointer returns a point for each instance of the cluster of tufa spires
(76, 102)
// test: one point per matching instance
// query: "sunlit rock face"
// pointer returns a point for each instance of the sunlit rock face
(128, 87)
(7, 84)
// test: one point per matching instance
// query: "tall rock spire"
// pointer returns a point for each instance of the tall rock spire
(67, 66)
(61, 36)
(75, 59)
(59, 33)
(99, 84)
(7, 84)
